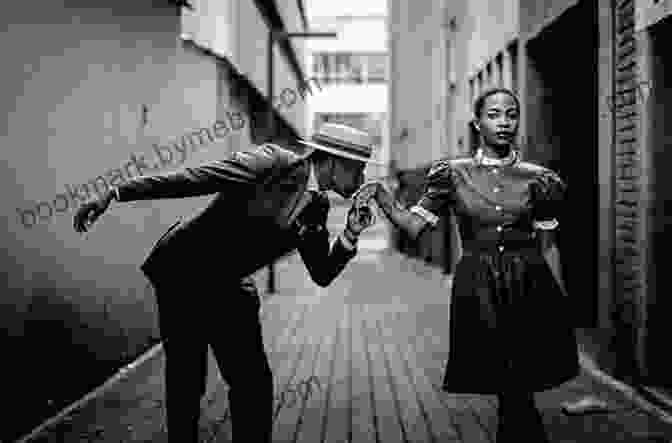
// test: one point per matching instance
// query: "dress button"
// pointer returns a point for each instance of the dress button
(496, 189)
(495, 170)
(501, 248)
(499, 229)
(498, 208)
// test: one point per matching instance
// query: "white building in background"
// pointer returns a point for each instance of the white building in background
(352, 71)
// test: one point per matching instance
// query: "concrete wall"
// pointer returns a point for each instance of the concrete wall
(493, 24)
(484, 30)
(251, 61)
(92, 84)
(416, 100)
(536, 15)
(295, 113)
(74, 97)
(455, 41)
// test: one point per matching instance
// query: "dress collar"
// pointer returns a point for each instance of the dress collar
(483, 160)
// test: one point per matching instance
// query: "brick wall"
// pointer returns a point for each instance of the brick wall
(628, 284)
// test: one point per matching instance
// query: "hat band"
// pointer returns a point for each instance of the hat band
(342, 145)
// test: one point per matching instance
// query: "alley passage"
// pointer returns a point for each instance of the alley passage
(357, 362)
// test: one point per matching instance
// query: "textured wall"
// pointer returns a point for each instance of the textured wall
(628, 288)
(90, 86)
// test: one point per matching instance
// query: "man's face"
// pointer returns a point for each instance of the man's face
(348, 176)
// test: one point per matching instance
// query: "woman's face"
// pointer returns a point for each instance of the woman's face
(498, 122)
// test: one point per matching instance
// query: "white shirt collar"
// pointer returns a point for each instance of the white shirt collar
(313, 184)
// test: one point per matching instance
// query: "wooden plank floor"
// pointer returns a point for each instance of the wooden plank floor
(361, 363)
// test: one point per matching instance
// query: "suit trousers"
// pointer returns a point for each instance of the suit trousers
(226, 317)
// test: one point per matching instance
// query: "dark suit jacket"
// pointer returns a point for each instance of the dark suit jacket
(248, 225)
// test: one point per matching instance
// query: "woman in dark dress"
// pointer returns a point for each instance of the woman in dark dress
(510, 333)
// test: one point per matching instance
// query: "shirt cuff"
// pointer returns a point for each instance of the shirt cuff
(428, 216)
(546, 225)
(345, 242)
(115, 193)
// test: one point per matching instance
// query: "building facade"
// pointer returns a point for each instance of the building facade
(591, 79)
(98, 93)
(352, 73)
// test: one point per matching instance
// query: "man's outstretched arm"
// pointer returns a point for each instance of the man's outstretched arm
(246, 168)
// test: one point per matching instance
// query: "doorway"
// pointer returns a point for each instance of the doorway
(562, 117)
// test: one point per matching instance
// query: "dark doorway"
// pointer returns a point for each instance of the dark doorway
(659, 302)
(562, 119)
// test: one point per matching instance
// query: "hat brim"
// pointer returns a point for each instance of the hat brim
(338, 153)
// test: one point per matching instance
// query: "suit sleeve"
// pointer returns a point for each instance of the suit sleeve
(239, 168)
(323, 260)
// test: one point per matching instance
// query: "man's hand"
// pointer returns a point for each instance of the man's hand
(89, 212)
(359, 218)
(315, 213)
(366, 192)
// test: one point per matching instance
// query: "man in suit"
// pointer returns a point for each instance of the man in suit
(270, 201)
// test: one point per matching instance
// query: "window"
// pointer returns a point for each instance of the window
(498, 71)
(513, 65)
(472, 93)
(376, 68)
(332, 67)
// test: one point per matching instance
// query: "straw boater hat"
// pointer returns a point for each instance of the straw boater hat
(343, 141)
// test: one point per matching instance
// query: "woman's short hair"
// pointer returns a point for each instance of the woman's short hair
(480, 100)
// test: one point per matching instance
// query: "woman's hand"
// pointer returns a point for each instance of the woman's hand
(400, 217)
(366, 192)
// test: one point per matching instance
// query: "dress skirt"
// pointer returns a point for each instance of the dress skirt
(509, 323)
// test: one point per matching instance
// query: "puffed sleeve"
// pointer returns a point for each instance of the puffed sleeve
(439, 191)
(549, 193)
